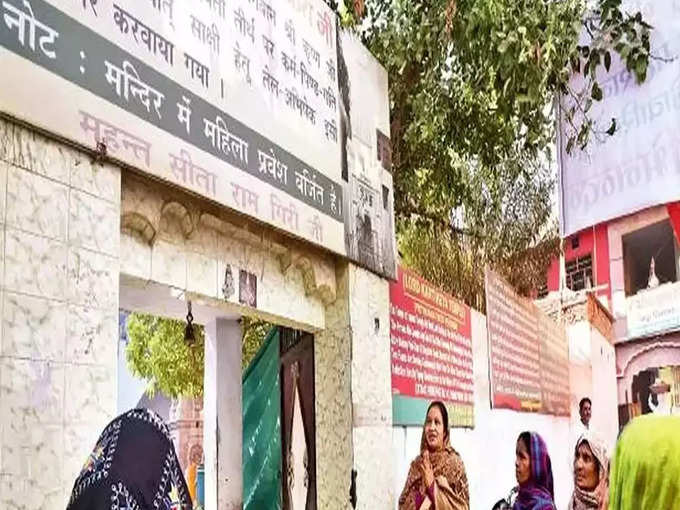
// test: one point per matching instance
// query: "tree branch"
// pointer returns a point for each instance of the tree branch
(439, 221)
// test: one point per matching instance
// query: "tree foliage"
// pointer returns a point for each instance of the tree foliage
(158, 353)
(254, 333)
(473, 85)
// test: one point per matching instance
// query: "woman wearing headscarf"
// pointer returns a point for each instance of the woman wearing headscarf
(436, 479)
(533, 471)
(133, 466)
(591, 474)
(646, 466)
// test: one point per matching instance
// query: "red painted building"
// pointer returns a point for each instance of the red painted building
(633, 263)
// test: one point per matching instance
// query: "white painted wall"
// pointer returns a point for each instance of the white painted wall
(605, 420)
(222, 414)
(488, 450)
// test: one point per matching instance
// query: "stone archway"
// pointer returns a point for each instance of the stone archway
(656, 353)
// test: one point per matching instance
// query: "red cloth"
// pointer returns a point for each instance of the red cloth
(674, 213)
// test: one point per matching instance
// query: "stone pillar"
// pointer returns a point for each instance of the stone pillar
(352, 357)
(369, 308)
(332, 385)
(222, 415)
(59, 254)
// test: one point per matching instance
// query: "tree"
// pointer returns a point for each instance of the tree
(158, 353)
(473, 84)
(254, 333)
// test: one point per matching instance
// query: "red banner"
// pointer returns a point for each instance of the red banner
(528, 352)
(431, 343)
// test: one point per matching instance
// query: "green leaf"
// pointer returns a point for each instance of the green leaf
(596, 92)
(607, 60)
(641, 68)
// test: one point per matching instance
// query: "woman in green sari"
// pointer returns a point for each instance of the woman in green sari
(646, 467)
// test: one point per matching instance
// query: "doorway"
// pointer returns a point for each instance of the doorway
(298, 421)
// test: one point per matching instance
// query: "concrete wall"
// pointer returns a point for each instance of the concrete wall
(357, 435)
(617, 229)
(371, 388)
(332, 384)
(591, 241)
(171, 238)
(488, 450)
(605, 420)
(592, 374)
(59, 252)
(70, 232)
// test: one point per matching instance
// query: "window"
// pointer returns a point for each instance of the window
(385, 197)
(579, 272)
(655, 241)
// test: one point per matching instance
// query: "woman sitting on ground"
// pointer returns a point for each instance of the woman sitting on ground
(436, 479)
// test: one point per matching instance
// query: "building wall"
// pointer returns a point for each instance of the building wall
(371, 388)
(637, 355)
(593, 241)
(71, 232)
(171, 238)
(354, 400)
(59, 253)
(617, 229)
(605, 419)
(333, 395)
(186, 428)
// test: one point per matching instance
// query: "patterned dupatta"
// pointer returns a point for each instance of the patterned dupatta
(133, 467)
(537, 493)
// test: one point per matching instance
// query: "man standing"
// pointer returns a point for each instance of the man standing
(581, 427)
(585, 410)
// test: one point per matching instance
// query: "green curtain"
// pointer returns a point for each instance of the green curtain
(262, 428)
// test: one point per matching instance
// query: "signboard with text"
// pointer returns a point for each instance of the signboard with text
(245, 102)
(654, 311)
(639, 166)
(528, 353)
(431, 351)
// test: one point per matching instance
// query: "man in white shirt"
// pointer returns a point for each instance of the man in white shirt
(581, 427)
(585, 410)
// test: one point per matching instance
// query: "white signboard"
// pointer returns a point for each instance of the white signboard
(236, 100)
(639, 166)
(654, 311)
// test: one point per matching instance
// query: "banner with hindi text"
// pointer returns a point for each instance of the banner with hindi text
(528, 353)
(244, 102)
(431, 352)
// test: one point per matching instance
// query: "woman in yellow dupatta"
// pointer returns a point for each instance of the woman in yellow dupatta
(436, 479)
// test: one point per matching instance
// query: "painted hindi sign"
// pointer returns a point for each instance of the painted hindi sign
(431, 352)
(245, 102)
(639, 166)
(528, 353)
(654, 311)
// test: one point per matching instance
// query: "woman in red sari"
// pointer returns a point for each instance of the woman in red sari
(436, 479)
